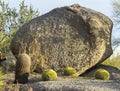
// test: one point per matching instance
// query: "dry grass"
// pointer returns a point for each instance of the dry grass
(15, 87)
(10, 86)
(115, 61)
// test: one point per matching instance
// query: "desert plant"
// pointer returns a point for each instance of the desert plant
(102, 74)
(113, 61)
(49, 75)
(4, 39)
(2, 57)
(69, 71)
(22, 71)
(11, 19)
(1, 80)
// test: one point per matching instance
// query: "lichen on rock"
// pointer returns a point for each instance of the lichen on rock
(72, 36)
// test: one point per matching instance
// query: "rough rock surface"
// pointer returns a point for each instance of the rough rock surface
(66, 83)
(69, 36)
(76, 85)
(114, 72)
(69, 84)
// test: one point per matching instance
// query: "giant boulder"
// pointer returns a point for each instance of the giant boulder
(69, 36)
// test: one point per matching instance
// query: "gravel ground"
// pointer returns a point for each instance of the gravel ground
(76, 85)
(63, 84)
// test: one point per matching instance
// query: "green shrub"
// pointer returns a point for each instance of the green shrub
(69, 71)
(114, 61)
(4, 41)
(49, 75)
(1, 80)
(102, 74)
(11, 19)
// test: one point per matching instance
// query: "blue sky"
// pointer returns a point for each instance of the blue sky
(44, 6)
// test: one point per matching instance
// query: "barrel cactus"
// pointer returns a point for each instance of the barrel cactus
(102, 74)
(22, 71)
(49, 75)
(69, 71)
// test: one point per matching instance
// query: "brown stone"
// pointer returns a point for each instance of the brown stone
(69, 36)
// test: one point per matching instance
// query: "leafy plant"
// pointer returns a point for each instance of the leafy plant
(116, 19)
(114, 61)
(1, 80)
(116, 12)
(11, 19)
(4, 39)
